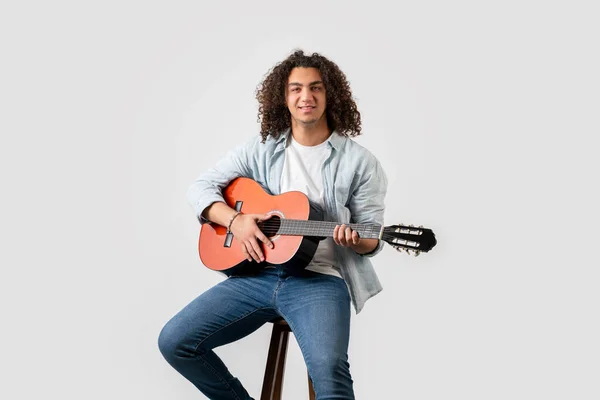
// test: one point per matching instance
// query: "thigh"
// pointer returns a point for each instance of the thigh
(317, 308)
(223, 314)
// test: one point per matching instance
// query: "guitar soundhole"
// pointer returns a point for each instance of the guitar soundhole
(271, 226)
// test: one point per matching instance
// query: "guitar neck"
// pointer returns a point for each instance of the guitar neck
(325, 228)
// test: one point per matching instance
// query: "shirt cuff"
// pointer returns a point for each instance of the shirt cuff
(373, 252)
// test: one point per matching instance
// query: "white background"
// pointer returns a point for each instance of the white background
(483, 114)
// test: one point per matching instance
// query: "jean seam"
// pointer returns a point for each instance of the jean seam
(206, 363)
(306, 362)
(214, 371)
(229, 324)
(276, 291)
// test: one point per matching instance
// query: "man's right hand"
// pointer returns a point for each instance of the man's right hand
(246, 231)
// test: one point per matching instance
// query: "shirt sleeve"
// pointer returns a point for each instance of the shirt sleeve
(208, 187)
(367, 202)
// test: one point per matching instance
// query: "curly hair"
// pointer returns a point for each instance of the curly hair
(273, 113)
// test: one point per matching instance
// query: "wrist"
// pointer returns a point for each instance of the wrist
(233, 217)
(365, 246)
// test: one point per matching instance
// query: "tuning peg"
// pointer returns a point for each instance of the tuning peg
(417, 252)
(401, 249)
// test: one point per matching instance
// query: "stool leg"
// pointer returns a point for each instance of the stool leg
(311, 389)
(273, 380)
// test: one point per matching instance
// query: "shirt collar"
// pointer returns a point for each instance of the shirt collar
(335, 140)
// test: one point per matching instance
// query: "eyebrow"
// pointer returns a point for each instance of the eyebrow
(299, 84)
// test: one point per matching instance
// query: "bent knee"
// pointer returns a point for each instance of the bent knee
(175, 342)
(167, 342)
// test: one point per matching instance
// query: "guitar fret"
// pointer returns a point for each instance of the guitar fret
(324, 228)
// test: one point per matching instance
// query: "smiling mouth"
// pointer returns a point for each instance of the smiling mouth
(306, 108)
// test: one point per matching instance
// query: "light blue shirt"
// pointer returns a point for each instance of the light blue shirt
(355, 187)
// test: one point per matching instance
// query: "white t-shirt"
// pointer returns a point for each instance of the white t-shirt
(303, 171)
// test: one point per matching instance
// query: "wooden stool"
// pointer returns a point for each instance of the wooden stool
(273, 380)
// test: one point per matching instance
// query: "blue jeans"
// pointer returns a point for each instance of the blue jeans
(316, 306)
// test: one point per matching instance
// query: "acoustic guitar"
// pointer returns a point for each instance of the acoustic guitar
(295, 228)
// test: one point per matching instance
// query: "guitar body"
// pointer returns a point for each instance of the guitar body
(220, 253)
(295, 229)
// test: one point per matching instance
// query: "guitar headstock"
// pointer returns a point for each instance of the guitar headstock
(413, 240)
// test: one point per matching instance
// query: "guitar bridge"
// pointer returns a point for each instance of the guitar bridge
(229, 236)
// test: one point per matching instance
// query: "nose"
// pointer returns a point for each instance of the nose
(306, 95)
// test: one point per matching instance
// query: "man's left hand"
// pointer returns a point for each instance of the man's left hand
(343, 235)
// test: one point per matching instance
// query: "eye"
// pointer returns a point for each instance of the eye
(317, 88)
(296, 89)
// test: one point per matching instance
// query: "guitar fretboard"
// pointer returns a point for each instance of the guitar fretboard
(325, 228)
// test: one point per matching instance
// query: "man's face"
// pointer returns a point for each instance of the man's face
(305, 95)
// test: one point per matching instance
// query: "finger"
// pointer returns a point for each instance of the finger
(335, 234)
(348, 235)
(252, 252)
(259, 255)
(342, 235)
(265, 217)
(261, 236)
(246, 253)
(355, 238)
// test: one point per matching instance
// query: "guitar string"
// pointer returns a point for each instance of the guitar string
(318, 228)
(323, 229)
(366, 235)
(326, 229)
(299, 228)
(367, 229)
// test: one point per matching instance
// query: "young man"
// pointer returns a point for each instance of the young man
(307, 116)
